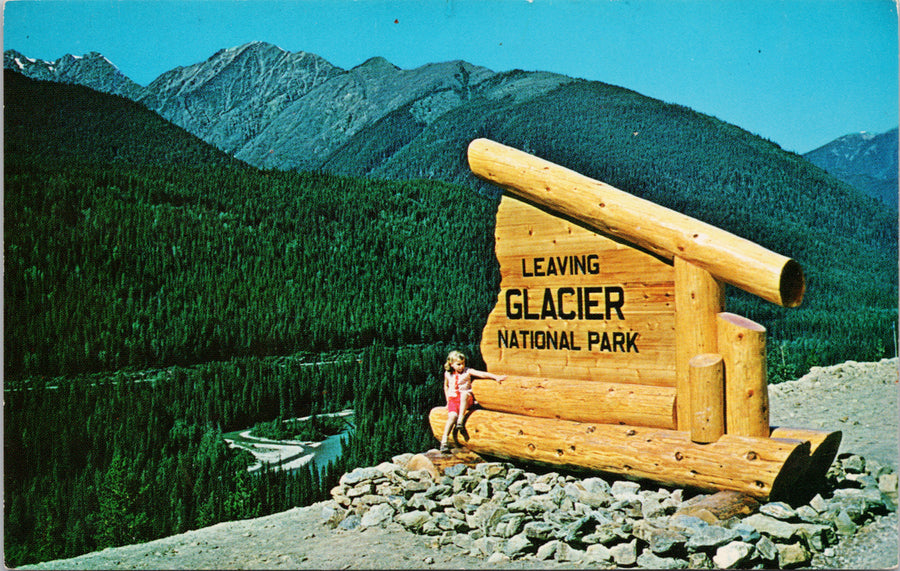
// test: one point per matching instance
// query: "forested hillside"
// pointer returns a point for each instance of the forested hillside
(159, 293)
(715, 172)
(146, 301)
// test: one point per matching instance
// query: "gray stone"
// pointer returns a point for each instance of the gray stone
(604, 535)
(793, 555)
(844, 523)
(666, 541)
(438, 491)
(547, 550)
(747, 533)
(448, 523)
(687, 523)
(464, 483)
(532, 505)
(414, 486)
(419, 475)
(521, 489)
(513, 474)
(887, 484)
(430, 528)
(350, 522)
(498, 485)
(624, 488)
(653, 507)
(419, 501)
(542, 487)
(767, 549)
(516, 545)
(817, 537)
(510, 525)
(597, 554)
(361, 489)
(377, 515)
(624, 554)
(332, 514)
(771, 526)
(463, 541)
(370, 500)
(483, 489)
(390, 469)
(732, 555)
(854, 464)
(818, 503)
(567, 554)
(710, 537)
(412, 520)
(807, 514)
(648, 560)
(778, 510)
(455, 470)
(497, 558)
(699, 560)
(487, 545)
(487, 515)
(539, 530)
(574, 530)
(358, 475)
(490, 469)
(595, 485)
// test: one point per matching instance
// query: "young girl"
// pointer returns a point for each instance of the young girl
(458, 391)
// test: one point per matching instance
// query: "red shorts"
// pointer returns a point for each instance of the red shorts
(454, 402)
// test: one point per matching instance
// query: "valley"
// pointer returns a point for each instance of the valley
(290, 454)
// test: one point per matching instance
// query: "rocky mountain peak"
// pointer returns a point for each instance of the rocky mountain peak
(867, 161)
(92, 69)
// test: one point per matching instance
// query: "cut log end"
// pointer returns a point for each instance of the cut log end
(793, 284)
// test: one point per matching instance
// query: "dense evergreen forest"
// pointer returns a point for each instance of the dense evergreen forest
(247, 295)
(158, 294)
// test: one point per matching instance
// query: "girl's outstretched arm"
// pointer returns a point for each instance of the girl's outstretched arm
(486, 375)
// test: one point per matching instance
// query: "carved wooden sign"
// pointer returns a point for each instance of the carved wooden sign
(619, 356)
(574, 303)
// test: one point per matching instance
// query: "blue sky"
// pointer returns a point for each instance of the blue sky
(798, 72)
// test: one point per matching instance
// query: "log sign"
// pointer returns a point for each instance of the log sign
(611, 329)
(574, 301)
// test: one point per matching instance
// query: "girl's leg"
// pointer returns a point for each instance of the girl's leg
(463, 405)
(451, 420)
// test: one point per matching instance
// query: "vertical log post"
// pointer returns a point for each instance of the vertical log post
(699, 298)
(742, 344)
(707, 374)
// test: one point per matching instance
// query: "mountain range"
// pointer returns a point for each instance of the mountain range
(866, 161)
(134, 245)
(277, 109)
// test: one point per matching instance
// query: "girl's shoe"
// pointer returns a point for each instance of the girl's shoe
(444, 447)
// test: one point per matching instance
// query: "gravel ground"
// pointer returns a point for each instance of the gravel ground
(860, 399)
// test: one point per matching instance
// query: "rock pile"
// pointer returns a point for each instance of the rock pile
(501, 512)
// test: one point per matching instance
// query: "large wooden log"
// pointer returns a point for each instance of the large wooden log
(707, 397)
(760, 467)
(655, 228)
(583, 401)
(742, 344)
(824, 447)
(699, 298)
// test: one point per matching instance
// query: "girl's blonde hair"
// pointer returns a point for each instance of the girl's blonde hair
(454, 357)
